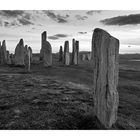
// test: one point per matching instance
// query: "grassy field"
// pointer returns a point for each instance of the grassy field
(60, 97)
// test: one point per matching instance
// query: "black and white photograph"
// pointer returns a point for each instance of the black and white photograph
(69, 69)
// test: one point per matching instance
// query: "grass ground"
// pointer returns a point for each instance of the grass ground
(60, 97)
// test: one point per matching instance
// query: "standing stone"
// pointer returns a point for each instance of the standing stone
(83, 57)
(8, 58)
(0, 53)
(61, 54)
(66, 53)
(46, 51)
(26, 56)
(3, 53)
(106, 65)
(29, 58)
(88, 56)
(75, 52)
(31, 53)
(20, 54)
(12, 59)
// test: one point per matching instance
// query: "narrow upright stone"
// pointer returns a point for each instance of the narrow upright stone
(66, 53)
(8, 58)
(105, 67)
(61, 54)
(31, 54)
(29, 58)
(20, 53)
(43, 39)
(73, 51)
(77, 52)
(46, 51)
(0, 53)
(12, 59)
(3, 53)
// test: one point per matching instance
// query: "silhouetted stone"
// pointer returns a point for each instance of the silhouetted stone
(29, 58)
(75, 52)
(20, 54)
(8, 58)
(46, 51)
(66, 53)
(3, 53)
(61, 54)
(105, 55)
(31, 53)
(0, 53)
(26, 56)
(12, 59)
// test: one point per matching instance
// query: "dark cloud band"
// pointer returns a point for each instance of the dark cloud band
(122, 20)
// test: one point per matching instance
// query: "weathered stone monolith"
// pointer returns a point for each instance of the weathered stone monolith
(75, 52)
(61, 54)
(3, 53)
(12, 59)
(66, 53)
(0, 53)
(31, 53)
(105, 67)
(46, 51)
(8, 58)
(29, 58)
(19, 54)
(26, 56)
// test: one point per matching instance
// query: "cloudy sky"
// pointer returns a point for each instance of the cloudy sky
(68, 24)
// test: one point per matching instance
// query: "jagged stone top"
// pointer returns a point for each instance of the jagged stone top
(21, 42)
(3, 43)
(99, 30)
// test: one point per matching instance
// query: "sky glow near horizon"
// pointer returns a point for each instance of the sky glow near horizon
(62, 25)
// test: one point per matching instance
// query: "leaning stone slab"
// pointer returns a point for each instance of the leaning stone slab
(105, 77)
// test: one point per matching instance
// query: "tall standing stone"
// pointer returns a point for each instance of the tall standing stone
(20, 54)
(31, 53)
(8, 58)
(66, 53)
(3, 53)
(0, 53)
(106, 65)
(46, 51)
(75, 52)
(61, 54)
(12, 59)
(29, 58)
